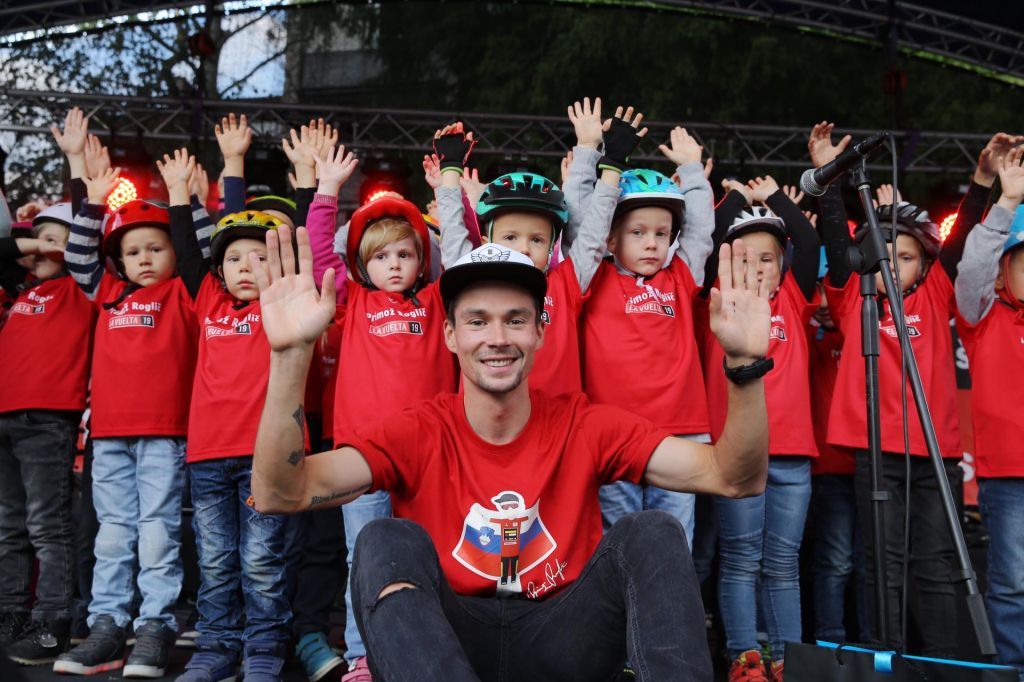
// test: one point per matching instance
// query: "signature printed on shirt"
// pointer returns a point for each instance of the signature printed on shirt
(554, 573)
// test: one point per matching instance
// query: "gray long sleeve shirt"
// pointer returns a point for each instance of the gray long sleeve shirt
(979, 267)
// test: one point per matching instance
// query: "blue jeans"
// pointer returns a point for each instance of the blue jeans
(838, 556)
(136, 489)
(242, 553)
(624, 603)
(358, 513)
(622, 497)
(1002, 506)
(759, 540)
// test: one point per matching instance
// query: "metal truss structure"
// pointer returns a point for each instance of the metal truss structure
(995, 51)
(517, 137)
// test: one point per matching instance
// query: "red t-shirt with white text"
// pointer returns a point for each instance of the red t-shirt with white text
(231, 375)
(556, 367)
(535, 498)
(45, 348)
(392, 354)
(995, 349)
(640, 350)
(143, 360)
(928, 311)
(786, 386)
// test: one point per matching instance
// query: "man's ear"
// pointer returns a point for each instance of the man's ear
(449, 335)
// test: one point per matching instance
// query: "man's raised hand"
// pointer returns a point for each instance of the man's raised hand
(740, 312)
(294, 313)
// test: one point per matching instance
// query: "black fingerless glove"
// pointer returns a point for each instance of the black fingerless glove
(620, 141)
(453, 150)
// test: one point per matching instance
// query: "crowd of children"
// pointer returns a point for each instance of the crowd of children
(146, 318)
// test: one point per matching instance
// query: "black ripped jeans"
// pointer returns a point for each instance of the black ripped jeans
(637, 597)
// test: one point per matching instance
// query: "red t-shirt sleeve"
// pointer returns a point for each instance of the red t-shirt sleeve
(841, 300)
(621, 442)
(394, 449)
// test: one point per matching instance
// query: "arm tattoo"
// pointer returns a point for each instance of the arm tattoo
(320, 499)
(299, 416)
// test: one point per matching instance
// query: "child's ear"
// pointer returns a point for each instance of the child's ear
(999, 282)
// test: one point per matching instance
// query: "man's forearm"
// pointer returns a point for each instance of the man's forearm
(278, 479)
(741, 452)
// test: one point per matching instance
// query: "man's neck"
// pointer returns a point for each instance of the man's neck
(497, 417)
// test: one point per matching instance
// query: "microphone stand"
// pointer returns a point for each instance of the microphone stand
(867, 258)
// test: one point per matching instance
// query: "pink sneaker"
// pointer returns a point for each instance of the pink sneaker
(360, 672)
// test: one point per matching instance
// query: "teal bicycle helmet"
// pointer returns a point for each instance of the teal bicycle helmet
(643, 187)
(523, 192)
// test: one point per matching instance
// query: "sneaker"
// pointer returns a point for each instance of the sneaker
(79, 631)
(149, 657)
(12, 624)
(359, 671)
(776, 670)
(210, 665)
(101, 651)
(188, 635)
(318, 659)
(40, 642)
(263, 661)
(748, 667)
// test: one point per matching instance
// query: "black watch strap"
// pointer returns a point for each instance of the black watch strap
(747, 373)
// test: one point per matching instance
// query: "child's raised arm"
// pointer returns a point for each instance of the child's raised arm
(334, 170)
(834, 230)
(736, 199)
(695, 243)
(234, 137)
(979, 267)
(443, 171)
(578, 183)
(177, 173)
(72, 142)
(81, 256)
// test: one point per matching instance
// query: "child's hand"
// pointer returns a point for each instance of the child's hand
(586, 121)
(812, 218)
(682, 148)
(298, 153)
(234, 136)
(795, 194)
(709, 166)
(1011, 178)
(40, 247)
(432, 211)
(884, 196)
(819, 144)
(97, 158)
(452, 146)
(76, 128)
(178, 170)
(471, 185)
(102, 185)
(762, 188)
(200, 184)
(991, 157)
(733, 185)
(621, 138)
(326, 139)
(335, 170)
(566, 162)
(432, 170)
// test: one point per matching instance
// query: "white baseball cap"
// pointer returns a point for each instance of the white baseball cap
(493, 263)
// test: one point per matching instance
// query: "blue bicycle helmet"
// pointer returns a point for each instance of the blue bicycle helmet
(1016, 237)
(643, 187)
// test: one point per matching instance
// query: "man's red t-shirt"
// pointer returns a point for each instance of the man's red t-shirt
(330, 348)
(231, 375)
(826, 347)
(143, 361)
(457, 486)
(928, 311)
(639, 348)
(556, 367)
(995, 349)
(786, 387)
(393, 354)
(45, 348)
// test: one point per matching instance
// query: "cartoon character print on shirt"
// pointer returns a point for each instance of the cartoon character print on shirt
(505, 541)
(651, 301)
(36, 304)
(134, 314)
(231, 325)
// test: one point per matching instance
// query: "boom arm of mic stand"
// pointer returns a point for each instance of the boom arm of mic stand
(966, 575)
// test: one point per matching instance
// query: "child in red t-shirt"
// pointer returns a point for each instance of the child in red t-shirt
(925, 274)
(759, 537)
(392, 346)
(143, 358)
(44, 346)
(990, 298)
(639, 348)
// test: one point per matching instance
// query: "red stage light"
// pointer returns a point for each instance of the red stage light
(946, 226)
(122, 194)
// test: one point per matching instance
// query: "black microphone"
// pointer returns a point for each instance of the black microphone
(814, 181)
